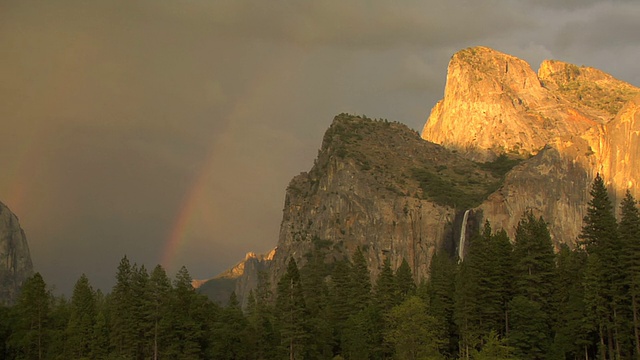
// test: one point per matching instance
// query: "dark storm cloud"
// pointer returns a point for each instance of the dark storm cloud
(115, 113)
(605, 36)
(360, 23)
(602, 27)
(576, 4)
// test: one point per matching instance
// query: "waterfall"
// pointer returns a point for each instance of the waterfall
(463, 234)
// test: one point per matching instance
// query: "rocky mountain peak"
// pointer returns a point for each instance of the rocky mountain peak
(495, 103)
(587, 87)
(570, 122)
(491, 70)
(15, 258)
(504, 141)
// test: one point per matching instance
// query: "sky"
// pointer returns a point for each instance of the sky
(168, 131)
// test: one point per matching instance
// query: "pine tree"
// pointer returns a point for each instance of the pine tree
(143, 306)
(360, 283)
(291, 312)
(482, 259)
(230, 332)
(438, 294)
(32, 313)
(503, 272)
(534, 267)
(386, 288)
(188, 318)
(571, 337)
(480, 289)
(316, 294)
(385, 298)
(59, 315)
(411, 331)
(339, 307)
(599, 237)
(100, 338)
(529, 333)
(599, 231)
(82, 319)
(6, 327)
(629, 229)
(467, 305)
(406, 285)
(159, 310)
(534, 260)
(122, 312)
(360, 336)
(262, 321)
(340, 291)
(597, 307)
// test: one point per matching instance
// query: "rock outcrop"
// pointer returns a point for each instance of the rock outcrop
(574, 121)
(361, 193)
(495, 103)
(620, 150)
(503, 141)
(378, 186)
(15, 259)
(241, 278)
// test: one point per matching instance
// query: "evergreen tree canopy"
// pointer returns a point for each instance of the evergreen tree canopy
(82, 319)
(411, 331)
(605, 279)
(404, 280)
(360, 282)
(534, 260)
(629, 230)
(30, 338)
(599, 232)
(386, 288)
(291, 312)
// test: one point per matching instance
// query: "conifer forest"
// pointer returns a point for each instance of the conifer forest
(509, 299)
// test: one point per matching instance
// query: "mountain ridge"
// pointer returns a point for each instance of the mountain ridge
(380, 186)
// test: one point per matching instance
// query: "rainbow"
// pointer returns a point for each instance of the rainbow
(196, 204)
(24, 161)
(178, 232)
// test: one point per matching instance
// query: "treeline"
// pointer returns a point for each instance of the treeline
(508, 299)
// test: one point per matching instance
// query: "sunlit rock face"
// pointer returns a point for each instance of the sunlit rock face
(495, 103)
(241, 279)
(548, 185)
(15, 259)
(361, 193)
(621, 150)
(570, 122)
(565, 123)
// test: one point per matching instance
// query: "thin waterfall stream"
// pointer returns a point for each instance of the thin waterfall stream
(463, 235)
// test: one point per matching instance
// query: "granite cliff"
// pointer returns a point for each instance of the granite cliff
(504, 140)
(495, 103)
(573, 121)
(15, 259)
(378, 186)
(241, 278)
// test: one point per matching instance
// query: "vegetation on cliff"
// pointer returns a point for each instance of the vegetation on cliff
(396, 159)
(587, 86)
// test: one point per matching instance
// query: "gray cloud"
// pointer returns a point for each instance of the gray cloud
(115, 111)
